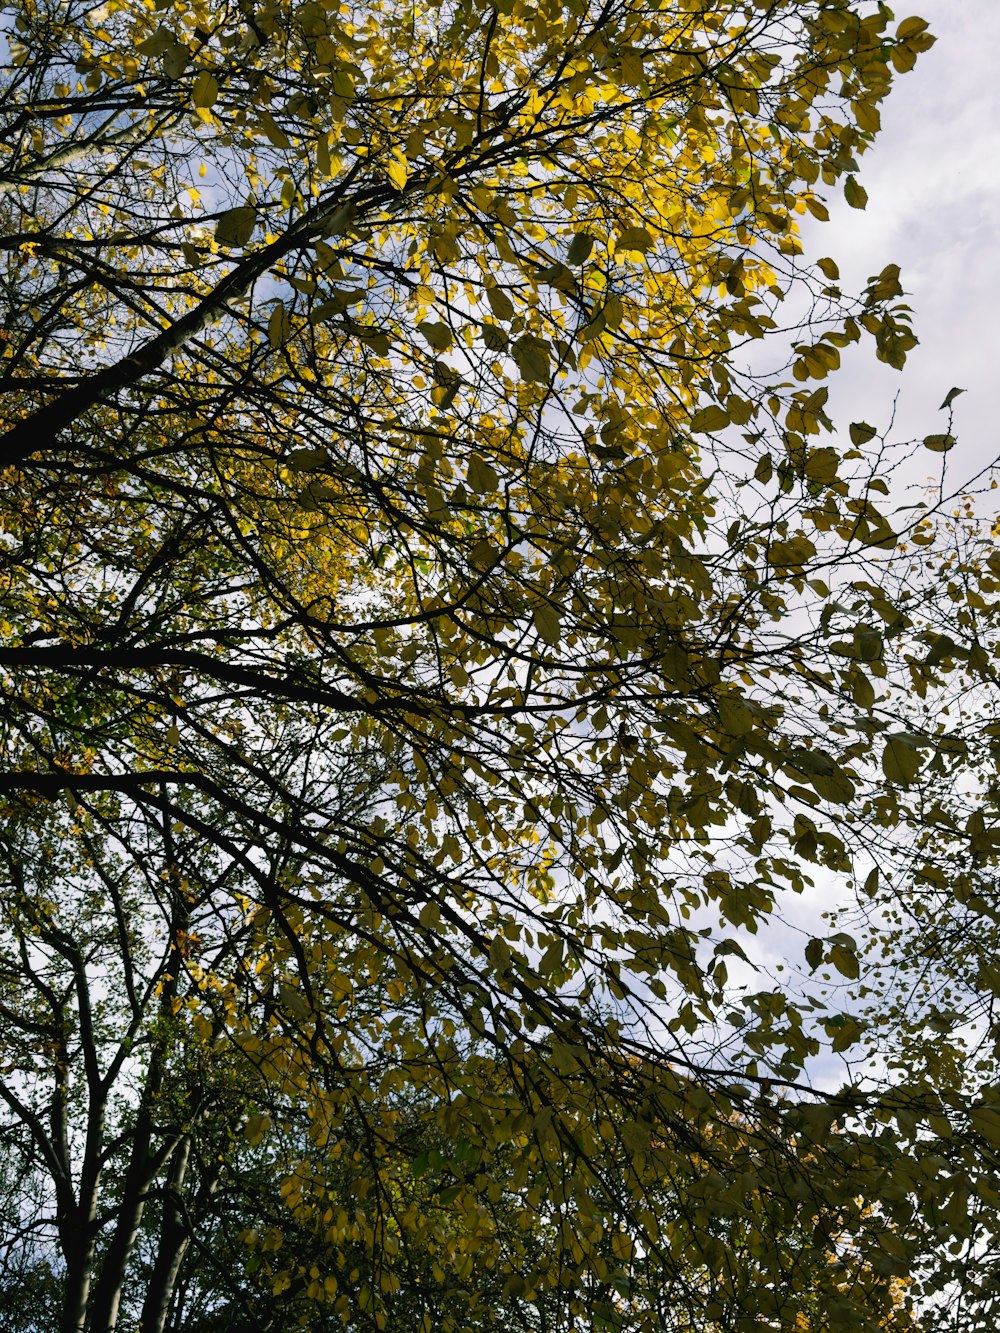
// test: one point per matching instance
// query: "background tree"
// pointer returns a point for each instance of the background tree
(928, 917)
(379, 400)
(163, 1174)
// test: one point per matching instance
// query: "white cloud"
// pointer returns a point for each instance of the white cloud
(933, 181)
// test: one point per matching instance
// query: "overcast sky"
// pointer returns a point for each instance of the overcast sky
(933, 182)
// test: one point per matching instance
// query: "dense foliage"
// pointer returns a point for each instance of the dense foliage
(441, 628)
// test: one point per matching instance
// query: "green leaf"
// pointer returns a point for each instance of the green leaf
(235, 227)
(941, 647)
(430, 916)
(559, 276)
(274, 133)
(911, 27)
(811, 762)
(794, 552)
(871, 646)
(844, 959)
(547, 622)
(730, 948)
(613, 310)
(438, 335)
(499, 953)
(500, 303)
(206, 90)
(939, 444)
(494, 337)
(901, 760)
(256, 1128)
(175, 60)
(821, 465)
(985, 1120)
(531, 355)
(848, 1030)
(710, 418)
(735, 716)
(862, 691)
(579, 248)
(634, 238)
(855, 194)
(343, 84)
(306, 460)
(861, 432)
(481, 476)
(160, 41)
(279, 327)
(835, 787)
(594, 328)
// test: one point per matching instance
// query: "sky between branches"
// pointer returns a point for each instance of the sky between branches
(933, 182)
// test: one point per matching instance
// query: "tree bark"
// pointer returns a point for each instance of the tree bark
(174, 1241)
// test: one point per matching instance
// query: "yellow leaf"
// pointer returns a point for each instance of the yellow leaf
(867, 116)
(631, 67)
(910, 28)
(398, 169)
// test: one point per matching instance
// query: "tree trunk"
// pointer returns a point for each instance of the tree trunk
(174, 1241)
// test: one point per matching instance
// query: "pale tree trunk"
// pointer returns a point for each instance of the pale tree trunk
(175, 1239)
(144, 1164)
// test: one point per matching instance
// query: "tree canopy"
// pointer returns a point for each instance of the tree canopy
(441, 628)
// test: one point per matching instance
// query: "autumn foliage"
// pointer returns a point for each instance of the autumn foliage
(442, 629)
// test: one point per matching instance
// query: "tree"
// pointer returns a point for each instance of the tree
(247, 1205)
(413, 581)
(930, 1001)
